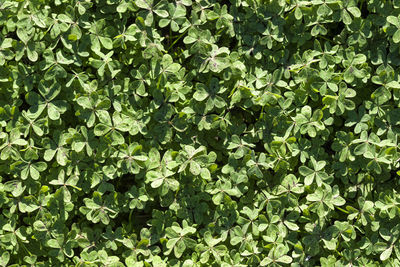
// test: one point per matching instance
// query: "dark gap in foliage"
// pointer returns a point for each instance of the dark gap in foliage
(26, 61)
(130, 21)
(123, 183)
(24, 105)
(335, 29)
(259, 147)
(168, 35)
(138, 219)
(364, 10)
(12, 35)
(236, 111)
(228, 3)
(69, 118)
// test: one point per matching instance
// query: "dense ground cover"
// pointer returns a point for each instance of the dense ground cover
(199, 133)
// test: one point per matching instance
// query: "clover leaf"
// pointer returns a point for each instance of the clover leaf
(178, 238)
(199, 133)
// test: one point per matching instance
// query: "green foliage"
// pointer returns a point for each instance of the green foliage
(199, 133)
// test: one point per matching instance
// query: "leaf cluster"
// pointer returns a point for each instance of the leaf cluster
(199, 133)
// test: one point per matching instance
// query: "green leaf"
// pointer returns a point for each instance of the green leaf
(101, 129)
(386, 254)
(396, 36)
(195, 168)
